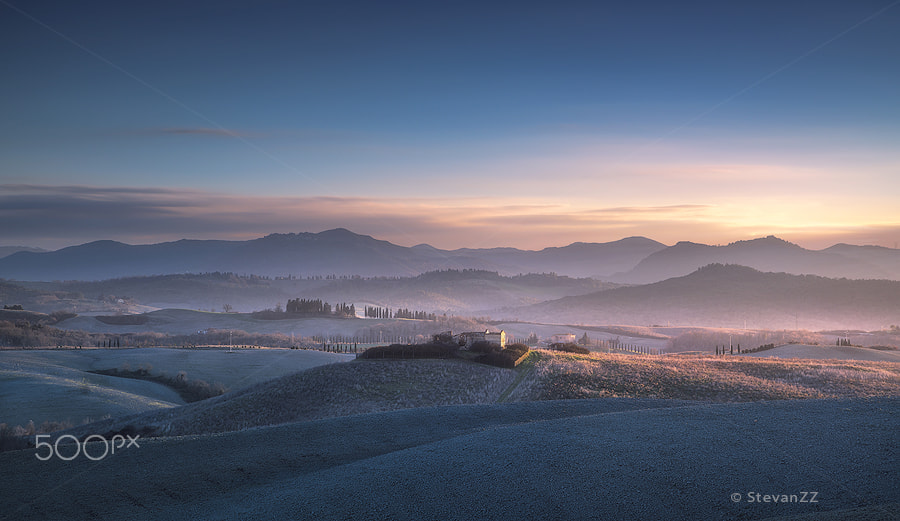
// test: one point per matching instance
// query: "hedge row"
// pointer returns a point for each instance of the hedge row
(570, 348)
(189, 390)
(511, 356)
(402, 351)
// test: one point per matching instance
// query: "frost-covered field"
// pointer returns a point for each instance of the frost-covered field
(715, 378)
(55, 385)
(579, 459)
(820, 352)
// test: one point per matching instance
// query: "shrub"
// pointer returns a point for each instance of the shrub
(123, 320)
(189, 390)
(570, 348)
(508, 358)
(12, 438)
(484, 347)
(403, 351)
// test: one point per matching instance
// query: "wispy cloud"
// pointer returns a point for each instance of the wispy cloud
(56, 216)
(215, 132)
(201, 131)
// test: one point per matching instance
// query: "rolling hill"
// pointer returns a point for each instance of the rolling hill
(769, 254)
(5, 251)
(733, 296)
(330, 252)
(450, 291)
(633, 260)
(641, 459)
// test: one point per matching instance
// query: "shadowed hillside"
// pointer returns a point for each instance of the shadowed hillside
(734, 296)
(586, 459)
(450, 291)
(769, 254)
(338, 251)
(366, 386)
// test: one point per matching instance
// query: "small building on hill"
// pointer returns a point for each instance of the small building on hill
(563, 338)
(465, 340)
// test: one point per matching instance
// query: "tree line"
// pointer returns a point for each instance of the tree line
(377, 312)
(418, 315)
(318, 307)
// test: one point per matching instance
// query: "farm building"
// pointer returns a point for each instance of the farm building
(465, 340)
(563, 338)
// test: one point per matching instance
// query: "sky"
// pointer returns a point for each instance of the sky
(457, 124)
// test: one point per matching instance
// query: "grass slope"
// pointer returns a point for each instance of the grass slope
(598, 459)
(53, 385)
(563, 376)
(333, 390)
(74, 397)
(367, 386)
(188, 321)
(734, 296)
(828, 353)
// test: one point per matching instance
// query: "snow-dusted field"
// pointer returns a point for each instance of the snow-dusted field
(584, 459)
(187, 321)
(55, 385)
(828, 353)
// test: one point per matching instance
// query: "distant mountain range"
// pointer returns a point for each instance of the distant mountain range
(720, 295)
(449, 291)
(716, 295)
(5, 251)
(769, 254)
(634, 260)
(338, 251)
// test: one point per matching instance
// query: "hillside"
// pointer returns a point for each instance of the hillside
(734, 296)
(831, 352)
(338, 251)
(59, 386)
(769, 254)
(342, 252)
(333, 441)
(606, 459)
(9, 250)
(450, 291)
(367, 386)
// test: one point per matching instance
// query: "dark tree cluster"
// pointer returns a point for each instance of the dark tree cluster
(376, 312)
(569, 347)
(418, 315)
(345, 310)
(509, 357)
(318, 307)
(407, 351)
(310, 307)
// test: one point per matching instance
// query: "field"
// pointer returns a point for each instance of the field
(187, 321)
(582, 459)
(269, 387)
(700, 377)
(578, 436)
(811, 352)
(55, 385)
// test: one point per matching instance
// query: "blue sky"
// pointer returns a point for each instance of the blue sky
(460, 124)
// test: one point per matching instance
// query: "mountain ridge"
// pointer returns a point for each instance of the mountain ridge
(337, 251)
(769, 254)
(631, 260)
(728, 295)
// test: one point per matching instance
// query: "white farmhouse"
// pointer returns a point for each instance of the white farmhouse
(563, 338)
(465, 340)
